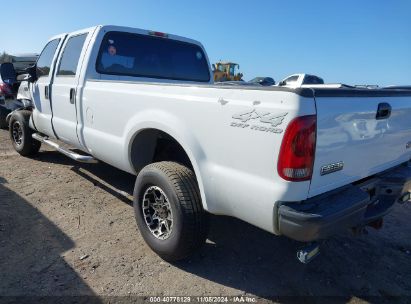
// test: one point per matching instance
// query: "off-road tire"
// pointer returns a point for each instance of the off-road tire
(190, 221)
(26, 145)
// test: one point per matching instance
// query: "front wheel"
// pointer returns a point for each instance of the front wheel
(168, 210)
(21, 134)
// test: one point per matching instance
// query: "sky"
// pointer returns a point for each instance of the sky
(352, 42)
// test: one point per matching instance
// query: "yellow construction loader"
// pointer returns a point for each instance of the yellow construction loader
(226, 71)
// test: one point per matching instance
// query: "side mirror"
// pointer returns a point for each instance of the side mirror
(32, 71)
(8, 73)
(282, 83)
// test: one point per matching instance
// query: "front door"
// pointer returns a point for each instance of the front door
(65, 87)
(41, 87)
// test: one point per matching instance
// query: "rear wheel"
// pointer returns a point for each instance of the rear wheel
(168, 210)
(21, 134)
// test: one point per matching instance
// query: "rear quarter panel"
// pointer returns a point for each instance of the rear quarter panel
(235, 163)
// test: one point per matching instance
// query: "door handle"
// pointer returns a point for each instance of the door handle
(72, 96)
(46, 92)
(383, 111)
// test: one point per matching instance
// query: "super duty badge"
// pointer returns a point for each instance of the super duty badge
(327, 169)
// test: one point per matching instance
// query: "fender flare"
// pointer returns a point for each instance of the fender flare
(176, 128)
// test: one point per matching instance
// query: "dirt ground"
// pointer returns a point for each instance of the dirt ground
(68, 229)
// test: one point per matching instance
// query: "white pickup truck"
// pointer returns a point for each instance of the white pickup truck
(305, 163)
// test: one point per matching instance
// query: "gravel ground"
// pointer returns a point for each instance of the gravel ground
(68, 229)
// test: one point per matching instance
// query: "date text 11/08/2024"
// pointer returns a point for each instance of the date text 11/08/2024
(201, 299)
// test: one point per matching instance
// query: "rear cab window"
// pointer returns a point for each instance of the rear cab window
(147, 56)
(309, 79)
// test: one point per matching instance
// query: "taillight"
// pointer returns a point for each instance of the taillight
(296, 158)
(5, 89)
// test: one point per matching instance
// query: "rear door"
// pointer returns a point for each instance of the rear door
(65, 86)
(358, 136)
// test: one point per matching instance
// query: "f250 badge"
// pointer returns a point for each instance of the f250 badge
(264, 117)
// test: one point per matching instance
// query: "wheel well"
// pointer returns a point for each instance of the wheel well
(152, 145)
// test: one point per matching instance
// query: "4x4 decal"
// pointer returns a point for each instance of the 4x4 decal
(264, 117)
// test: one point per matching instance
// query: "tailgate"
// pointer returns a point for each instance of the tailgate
(351, 142)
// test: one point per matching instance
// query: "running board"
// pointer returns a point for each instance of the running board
(73, 155)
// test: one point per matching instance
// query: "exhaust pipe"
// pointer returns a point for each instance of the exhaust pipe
(308, 253)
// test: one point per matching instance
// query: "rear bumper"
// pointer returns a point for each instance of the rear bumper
(348, 207)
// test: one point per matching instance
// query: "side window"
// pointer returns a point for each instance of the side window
(291, 79)
(44, 62)
(71, 56)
